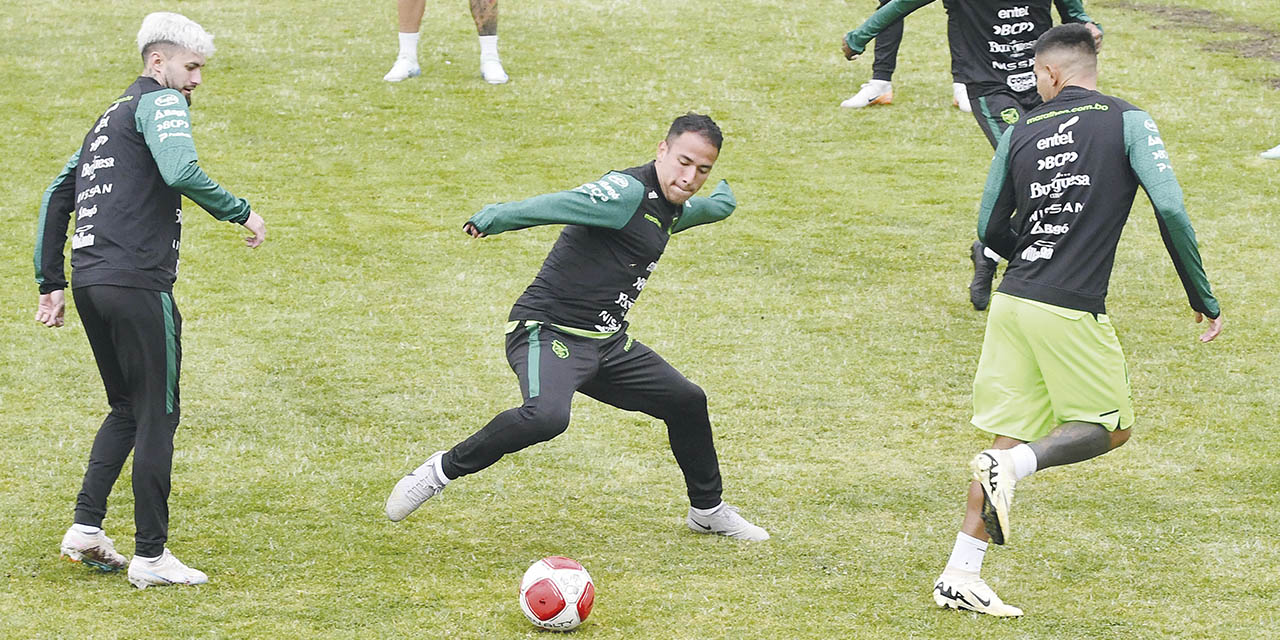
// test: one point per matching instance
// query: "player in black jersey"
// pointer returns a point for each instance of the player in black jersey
(1052, 385)
(995, 38)
(568, 332)
(125, 187)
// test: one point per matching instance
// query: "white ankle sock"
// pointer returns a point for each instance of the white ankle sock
(146, 559)
(1024, 461)
(488, 47)
(408, 46)
(986, 251)
(707, 512)
(439, 469)
(84, 528)
(967, 554)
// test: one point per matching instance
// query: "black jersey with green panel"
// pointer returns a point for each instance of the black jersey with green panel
(617, 228)
(1059, 192)
(996, 37)
(124, 187)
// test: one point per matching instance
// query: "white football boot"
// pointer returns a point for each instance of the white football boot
(1271, 154)
(726, 522)
(993, 469)
(163, 571)
(491, 69)
(874, 92)
(403, 69)
(960, 97)
(95, 550)
(414, 489)
(956, 589)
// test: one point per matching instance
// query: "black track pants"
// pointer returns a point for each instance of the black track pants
(136, 339)
(619, 371)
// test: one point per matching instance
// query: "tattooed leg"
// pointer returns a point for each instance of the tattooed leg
(1076, 442)
(485, 13)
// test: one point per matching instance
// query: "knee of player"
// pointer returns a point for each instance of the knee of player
(691, 396)
(547, 422)
(1119, 437)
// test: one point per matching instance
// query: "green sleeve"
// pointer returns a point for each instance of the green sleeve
(608, 202)
(1150, 162)
(1072, 11)
(995, 212)
(163, 121)
(51, 227)
(713, 208)
(883, 17)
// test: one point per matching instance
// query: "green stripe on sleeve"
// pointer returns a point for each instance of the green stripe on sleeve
(608, 202)
(170, 353)
(60, 182)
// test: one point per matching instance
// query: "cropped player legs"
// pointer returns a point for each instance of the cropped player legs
(547, 383)
(638, 379)
(885, 61)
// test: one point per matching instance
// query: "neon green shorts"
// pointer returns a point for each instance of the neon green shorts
(1044, 365)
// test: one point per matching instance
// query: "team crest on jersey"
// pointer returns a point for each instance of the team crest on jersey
(559, 349)
(1010, 115)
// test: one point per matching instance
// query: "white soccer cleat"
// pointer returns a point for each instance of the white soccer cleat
(874, 92)
(163, 571)
(960, 97)
(726, 522)
(1271, 154)
(491, 69)
(403, 69)
(966, 590)
(414, 489)
(95, 550)
(993, 469)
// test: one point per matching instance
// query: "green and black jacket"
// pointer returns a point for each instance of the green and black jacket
(618, 227)
(997, 37)
(125, 187)
(1059, 192)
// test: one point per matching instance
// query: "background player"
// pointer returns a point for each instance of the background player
(568, 332)
(880, 89)
(995, 40)
(409, 18)
(1052, 373)
(125, 186)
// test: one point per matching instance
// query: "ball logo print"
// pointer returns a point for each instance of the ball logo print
(557, 593)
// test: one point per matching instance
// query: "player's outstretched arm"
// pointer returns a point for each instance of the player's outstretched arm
(714, 208)
(1073, 11)
(995, 212)
(1150, 163)
(608, 202)
(855, 42)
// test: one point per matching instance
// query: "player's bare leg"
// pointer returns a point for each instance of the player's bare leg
(409, 22)
(485, 13)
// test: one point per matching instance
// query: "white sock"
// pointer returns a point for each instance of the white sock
(88, 529)
(707, 512)
(986, 251)
(146, 559)
(439, 469)
(488, 47)
(408, 46)
(967, 554)
(879, 83)
(1024, 461)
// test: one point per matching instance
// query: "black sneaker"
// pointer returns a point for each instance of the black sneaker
(984, 271)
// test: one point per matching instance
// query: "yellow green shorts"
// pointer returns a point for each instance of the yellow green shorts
(1043, 365)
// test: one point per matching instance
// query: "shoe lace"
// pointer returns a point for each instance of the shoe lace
(424, 488)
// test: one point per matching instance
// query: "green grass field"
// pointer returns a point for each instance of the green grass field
(827, 320)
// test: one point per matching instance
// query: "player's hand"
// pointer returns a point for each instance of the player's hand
(472, 231)
(848, 52)
(258, 226)
(50, 308)
(1215, 327)
(1097, 35)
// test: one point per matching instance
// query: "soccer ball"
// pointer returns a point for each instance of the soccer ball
(557, 593)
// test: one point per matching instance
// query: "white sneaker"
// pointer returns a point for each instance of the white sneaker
(1271, 154)
(874, 92)
(163, 571)
(95, 550)
(726, 522)
(966, 590)
(403, 69)
(491, 69)
(993, 469)
(414, 489)
(960, 97)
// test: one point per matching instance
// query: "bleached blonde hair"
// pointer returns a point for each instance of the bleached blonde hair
(176, 29)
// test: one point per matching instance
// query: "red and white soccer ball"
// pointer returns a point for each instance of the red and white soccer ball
(557, 593)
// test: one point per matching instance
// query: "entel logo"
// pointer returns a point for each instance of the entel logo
(166, 100)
